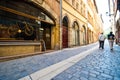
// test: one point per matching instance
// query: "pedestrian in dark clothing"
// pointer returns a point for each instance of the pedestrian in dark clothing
(101, 41)
(111, 38)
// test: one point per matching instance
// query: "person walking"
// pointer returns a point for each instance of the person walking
(101, 40)
(111, 38)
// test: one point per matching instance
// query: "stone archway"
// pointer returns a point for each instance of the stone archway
(65, 32)
(83, 35)
(75, 33)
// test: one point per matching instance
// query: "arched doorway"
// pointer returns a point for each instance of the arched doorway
(88, 36)
(83, 35)
(65, 32)
(75, 34)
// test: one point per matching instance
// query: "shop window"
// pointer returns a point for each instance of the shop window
(15, 27)
(19, 21)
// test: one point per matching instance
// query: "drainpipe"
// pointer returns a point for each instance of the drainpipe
(60, 24)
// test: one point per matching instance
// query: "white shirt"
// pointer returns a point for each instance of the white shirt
(101, 37)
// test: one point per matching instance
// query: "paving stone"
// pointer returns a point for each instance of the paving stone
(95, 72)
(84, 75)
(85, 72)
(106, 71)
(92, 75)
(116, 74)
(77, 75)
(58, 78)
(101, 77)
(99, 65)
(93, 78)
(73, 78)
(116, 78)
(83, 78)
(106, 76)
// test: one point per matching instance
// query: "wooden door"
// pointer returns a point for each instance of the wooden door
(64, 37)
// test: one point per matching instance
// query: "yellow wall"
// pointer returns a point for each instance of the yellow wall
(13, 50)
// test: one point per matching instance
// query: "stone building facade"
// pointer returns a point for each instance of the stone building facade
(116, 18)
(81, 22)
(28, 27)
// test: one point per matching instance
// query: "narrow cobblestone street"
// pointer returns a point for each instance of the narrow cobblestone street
(59, 40)
(99, 65)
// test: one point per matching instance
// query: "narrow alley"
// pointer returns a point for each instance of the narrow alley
(79, 63)
(59, 39)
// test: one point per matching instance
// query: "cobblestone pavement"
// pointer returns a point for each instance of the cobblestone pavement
(18, 68)
(100, 65)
